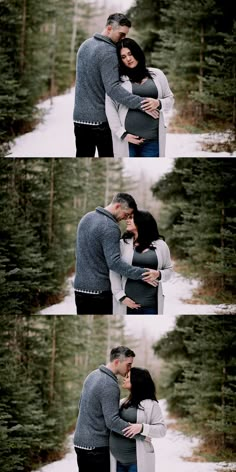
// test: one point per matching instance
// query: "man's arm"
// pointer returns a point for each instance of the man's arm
(111, 249)
(110, 408)
(111, 80)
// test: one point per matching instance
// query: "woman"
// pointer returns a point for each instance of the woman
(135, 133)
(142, 246)
(131, 454)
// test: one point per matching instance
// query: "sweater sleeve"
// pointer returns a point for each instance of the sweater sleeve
(111, 249)
(113, 87)
(110, 409)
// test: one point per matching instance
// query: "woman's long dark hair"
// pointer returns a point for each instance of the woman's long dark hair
(142, 388)
(138, 73)
(147, 230)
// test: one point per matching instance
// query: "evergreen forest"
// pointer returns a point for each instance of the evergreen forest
(191, 41)
(198, 220)
(43, 200)
(41, 203)
(39, 41)
(45, 359)
(198, 380)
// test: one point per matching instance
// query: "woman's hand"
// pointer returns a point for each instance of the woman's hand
(132, 430)
(131, 138)
(130, 303)
(150, 104)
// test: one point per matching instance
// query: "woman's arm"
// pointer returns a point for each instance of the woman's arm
(118, 291)
(156, 429)
(167, 269)
(167, 99)
(112, 112)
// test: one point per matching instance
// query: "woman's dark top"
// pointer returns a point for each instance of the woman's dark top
(137, 122)
(140, 291)
(122, 448)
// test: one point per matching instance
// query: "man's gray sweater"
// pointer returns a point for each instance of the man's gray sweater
(98, 409)
(98, 251)
(97, 74)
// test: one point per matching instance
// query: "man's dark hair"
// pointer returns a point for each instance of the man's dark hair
(118, 18)
(121, 352)
(125, 199)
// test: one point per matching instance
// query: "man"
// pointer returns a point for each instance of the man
(99, 412)
(98, 251)
(96, 74)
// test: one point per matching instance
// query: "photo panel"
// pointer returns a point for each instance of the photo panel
(190, 202)
(52, 368)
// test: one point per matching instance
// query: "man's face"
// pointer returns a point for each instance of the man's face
(116, 34)
(123, 212)
(124, 366)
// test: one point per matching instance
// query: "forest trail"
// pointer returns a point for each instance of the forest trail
(177, 292)
(54, 137)
(171, 453)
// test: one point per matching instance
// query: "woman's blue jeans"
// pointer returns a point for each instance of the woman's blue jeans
(126, 468)
(146, 149)
(141, 311)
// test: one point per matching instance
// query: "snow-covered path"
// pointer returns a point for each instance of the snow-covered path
(55, 136)
(176, 291)
(171, 453)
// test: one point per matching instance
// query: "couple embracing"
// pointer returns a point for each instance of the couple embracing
(120, 103)
(120, 275)
(113, 435)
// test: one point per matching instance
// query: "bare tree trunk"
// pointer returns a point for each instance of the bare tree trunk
(50, 219)
(88, 343)
(53, 359)
(222, 243)
(223, 405)
(85, 198)
(73, 36)
(107, 188)
(53, 59)
(109, 328)
(23, 38)
(201, 69)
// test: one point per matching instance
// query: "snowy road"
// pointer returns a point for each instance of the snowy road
(55, 136)
(171, 453)
(176, 291)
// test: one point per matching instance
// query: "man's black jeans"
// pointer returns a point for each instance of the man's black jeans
(88, 137)
(94, 460)
(91, 304)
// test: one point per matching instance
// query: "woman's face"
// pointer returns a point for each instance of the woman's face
(130, 226)
(127, 58)
(126, 382)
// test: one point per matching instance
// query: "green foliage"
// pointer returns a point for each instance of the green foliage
(193, 42)
(44, 361)
(37, 57)
(199, 217)
(41, 203)
(199, 375)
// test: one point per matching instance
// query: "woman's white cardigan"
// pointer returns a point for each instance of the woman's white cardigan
(153, 427)
(116, 113)
(118, 282)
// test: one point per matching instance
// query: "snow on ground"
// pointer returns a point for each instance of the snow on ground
(54, 137)
(176, 290)
(170, 453)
